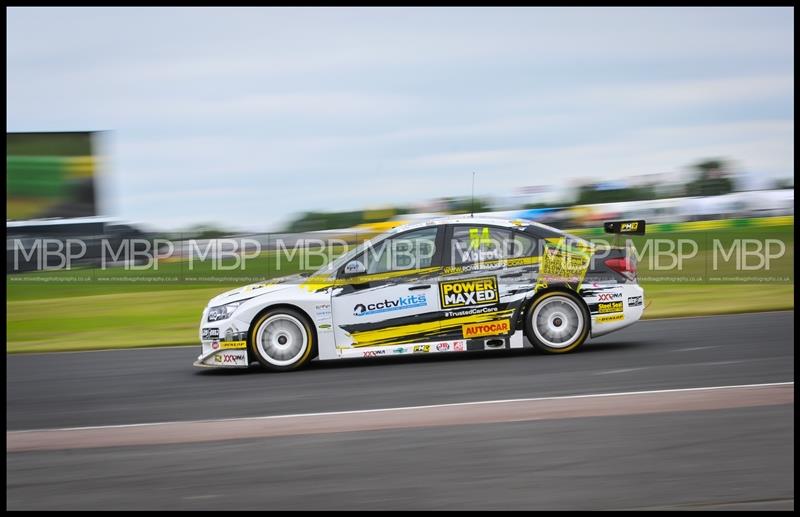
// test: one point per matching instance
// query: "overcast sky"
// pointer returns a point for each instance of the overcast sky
(245, 116)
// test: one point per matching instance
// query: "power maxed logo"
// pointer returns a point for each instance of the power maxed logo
(404, 302)
(474, 291)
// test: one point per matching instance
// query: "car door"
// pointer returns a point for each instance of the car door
(488, 272)
(388, 295)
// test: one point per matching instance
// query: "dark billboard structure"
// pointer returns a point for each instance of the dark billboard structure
(50, 175)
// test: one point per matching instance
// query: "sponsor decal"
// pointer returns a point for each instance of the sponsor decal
(210, 333)
(237, 358)
(323, 311)
(231, 358)
(469, 312)
(443, 347)
(634, 301)
(491, 264)
(374, 353)
(400, 350)
(607, 297)
(458, 346)
(403, 302)
(353, 267)
(232, 345)
(563, 263)
(473, 291)
(635, 227)
(478, 237)
(609, 318)
(604, 308)
(214, 344)
(422, 349)
(491, 328)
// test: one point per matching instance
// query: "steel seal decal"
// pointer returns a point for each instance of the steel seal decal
(604, 308)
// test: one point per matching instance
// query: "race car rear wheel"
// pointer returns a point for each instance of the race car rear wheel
(557, 322)
(282, 339)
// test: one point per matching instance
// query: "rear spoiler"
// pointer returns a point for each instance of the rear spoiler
(627, 227)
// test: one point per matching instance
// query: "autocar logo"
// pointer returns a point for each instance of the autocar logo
(491, 328)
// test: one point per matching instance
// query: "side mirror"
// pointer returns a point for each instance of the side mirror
(354, 267)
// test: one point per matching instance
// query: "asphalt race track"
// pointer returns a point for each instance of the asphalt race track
(736, 456)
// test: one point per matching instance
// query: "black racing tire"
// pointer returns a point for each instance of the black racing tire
(282, 339)
(557, 322)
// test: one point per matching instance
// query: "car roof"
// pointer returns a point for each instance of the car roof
(465, 219)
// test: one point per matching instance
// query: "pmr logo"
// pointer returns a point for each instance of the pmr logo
(474, 291)
(629, 227)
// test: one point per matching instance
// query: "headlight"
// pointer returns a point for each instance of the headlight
(222, 312)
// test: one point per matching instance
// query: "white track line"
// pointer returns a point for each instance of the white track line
(405, 408)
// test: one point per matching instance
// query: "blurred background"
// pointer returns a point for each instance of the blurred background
(216, 123)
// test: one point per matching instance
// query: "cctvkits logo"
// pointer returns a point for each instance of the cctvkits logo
(404, 302)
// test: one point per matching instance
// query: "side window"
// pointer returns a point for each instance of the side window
(479, 243)
(405, 252)
(522, 246)
(470, 244)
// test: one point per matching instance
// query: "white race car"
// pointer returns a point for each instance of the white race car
(448, 285)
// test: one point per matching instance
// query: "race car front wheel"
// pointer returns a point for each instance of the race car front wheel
(282, 339)
(557, 322)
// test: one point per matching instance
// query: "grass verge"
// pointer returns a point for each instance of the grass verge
(171, 317)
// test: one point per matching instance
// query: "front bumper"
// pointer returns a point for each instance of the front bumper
(223, 344)
(227, 358)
